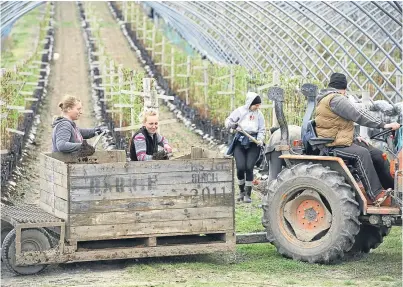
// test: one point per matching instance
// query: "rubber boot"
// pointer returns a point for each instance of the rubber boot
(241, 192)
(248, 192)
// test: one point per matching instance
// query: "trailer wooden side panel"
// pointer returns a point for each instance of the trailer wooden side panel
(119, 200)
(103, 197)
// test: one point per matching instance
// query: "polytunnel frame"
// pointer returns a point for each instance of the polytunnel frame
(352, 27)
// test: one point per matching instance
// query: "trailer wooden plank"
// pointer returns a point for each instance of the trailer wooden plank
(53, 211)
(98, 232)
(52, 164)
(99, 157)
(206, 190)
(136, 217)
(150, 180)
(54, 201)
(54, 177)
(49, 257)
(167, 166)
(150, 203)
(52, 187)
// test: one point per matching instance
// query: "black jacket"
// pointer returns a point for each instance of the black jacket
(151, 142)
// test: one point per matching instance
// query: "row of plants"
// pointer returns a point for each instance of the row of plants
(322, 60)
(215, 107)
(110, 79)
(18, 113)
(14, 89)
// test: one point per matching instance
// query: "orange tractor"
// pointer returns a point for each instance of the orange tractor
(317, 209)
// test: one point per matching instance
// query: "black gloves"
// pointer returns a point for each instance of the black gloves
(160, 155)
(86, 149)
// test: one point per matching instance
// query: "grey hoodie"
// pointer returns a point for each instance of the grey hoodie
(67, 137)
(344, 108)
(251, 121)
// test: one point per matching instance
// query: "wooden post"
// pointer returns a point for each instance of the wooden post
(131, 14)
(276, 82)
(172, 66)
(153, 42)
(144, 30)
(137, 21)
(111, 83)
(205, 80)
(147, 93)
(120, 75)
(132, 108)
(163, 56)
(232, 87)
(188, 80)
(365, 100)
(398, 81)
(125, 11)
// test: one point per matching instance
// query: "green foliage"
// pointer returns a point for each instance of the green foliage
(19, 53)
(215, 102)
(116, 78)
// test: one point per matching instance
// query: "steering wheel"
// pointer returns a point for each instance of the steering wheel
(382, 133)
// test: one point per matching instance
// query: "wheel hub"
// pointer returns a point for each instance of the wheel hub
(307, 215)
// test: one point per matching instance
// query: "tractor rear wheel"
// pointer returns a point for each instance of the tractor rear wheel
(310, 214)
(5, 229)
(31, 240)
(369, 237)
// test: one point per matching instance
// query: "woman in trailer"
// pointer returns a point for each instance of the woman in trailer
(145, 142)
(67, 137)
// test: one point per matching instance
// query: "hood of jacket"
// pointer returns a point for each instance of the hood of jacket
(323, 93)
(250, 96)
(62, 119)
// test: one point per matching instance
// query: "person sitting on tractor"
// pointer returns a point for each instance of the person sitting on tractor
(66, 136)
(334, 117)
(247, 118)
(144, 144)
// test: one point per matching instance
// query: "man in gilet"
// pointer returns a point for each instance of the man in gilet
(335, 118)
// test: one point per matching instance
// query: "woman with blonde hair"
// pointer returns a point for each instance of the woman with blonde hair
(66, 136)
(144, 143)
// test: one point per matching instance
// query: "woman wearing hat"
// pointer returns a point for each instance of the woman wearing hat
(249, 119)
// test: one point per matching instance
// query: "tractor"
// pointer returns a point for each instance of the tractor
(317, 210)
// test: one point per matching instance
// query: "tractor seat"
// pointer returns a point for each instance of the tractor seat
(313, 144)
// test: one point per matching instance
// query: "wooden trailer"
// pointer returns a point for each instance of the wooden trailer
(103, 207)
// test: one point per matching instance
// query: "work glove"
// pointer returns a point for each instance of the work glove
(100, 129)
(260, 143)
(233, 125)
(86, 149)
(160, 155)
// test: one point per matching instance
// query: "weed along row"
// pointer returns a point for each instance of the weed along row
(102, 207)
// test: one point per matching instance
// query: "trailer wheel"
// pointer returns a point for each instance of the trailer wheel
(369, 237)
(31, 240)
(5, 229)
(310, 214)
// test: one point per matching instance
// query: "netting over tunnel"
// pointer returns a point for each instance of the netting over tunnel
(313, 39)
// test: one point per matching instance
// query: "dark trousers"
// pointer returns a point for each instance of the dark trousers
(382, 166)
(362, 156)
(245, 160)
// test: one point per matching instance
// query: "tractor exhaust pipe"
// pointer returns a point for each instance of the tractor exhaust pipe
(310, 92)
(276, 94)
